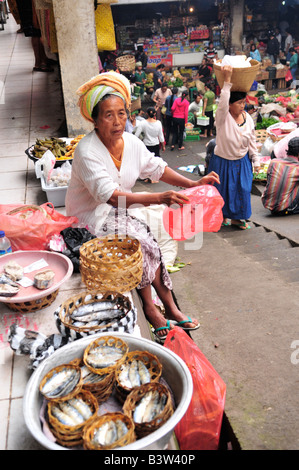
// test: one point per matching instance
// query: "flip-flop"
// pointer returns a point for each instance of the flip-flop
(225, 224)
(241, 226)
(161, 338)
(181, 323)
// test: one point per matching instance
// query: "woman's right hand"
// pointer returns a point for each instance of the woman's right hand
(227, 72)
(173, 197)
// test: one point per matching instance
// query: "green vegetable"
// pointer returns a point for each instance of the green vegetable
(266, 122)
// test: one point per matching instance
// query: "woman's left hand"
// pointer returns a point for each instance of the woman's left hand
(210, 178)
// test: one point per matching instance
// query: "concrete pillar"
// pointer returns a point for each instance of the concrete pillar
(78, 55)
(237, 18)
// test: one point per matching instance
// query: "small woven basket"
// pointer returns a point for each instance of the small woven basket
(71, 393)
(132, 400)
(33, 305)
(102, 388)
(151, 362)
(70, 436)
(89, 431)
(125, 63)
(112, 263)
(64, 312)
(104, 341)
(241, 79)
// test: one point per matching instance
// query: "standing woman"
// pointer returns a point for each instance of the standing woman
(207, 109)
(234, 153)
(179, 111)
(168, 115)
(152, 131)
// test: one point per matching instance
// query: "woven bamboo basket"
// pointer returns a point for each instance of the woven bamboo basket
(241, 79)
(151, 362)
(112, 263)
(24, 212)
(90, 430)
(33, 305)
(106, 341)
(102, 388)
(85, 298)
(70, 436)
(125, 63)
(132, 400)
(77, 385)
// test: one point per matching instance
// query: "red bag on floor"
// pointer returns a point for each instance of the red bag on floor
(30, 227)
(203, 213)
(200, 427)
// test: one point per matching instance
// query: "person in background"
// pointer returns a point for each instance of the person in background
(210, 54)
(255, 53)
(140, 78)
(160, 98)
(255, 115)
(281, 195)
(141, 56)
(278, 37)
(207, 109)
(272, 47)
(234, 154)
(152, 132)
(293, 65)
(158, 76)
(179, 111)
(195, 107)
(168, 114)
(204, 72)
(288, 44)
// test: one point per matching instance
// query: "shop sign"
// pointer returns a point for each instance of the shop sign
(199, 34)
(154, 60)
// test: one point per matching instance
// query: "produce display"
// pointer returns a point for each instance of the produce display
(59, 147)
(73, 398)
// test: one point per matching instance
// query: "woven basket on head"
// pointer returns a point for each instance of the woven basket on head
(132, 400)
(102, 388)
(70, 393)
(151, 362)
(125, 63)
(90, 430)
(241, 79)
(70, 436)
(85, 298)
(112, 263)
(33, 305)
(106, 341)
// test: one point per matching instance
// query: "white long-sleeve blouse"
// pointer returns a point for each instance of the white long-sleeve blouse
(95, 177)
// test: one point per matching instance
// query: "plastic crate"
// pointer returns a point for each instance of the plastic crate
(203, 121)
(56, 195)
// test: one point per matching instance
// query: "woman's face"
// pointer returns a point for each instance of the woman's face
(112, 118)
(237, 107)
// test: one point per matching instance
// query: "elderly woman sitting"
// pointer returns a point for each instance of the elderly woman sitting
(106, 166)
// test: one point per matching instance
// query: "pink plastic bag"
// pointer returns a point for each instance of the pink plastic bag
(32, 230)
(200, 427)
(203, 213)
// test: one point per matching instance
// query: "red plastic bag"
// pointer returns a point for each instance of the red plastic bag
(203, 213)
(200, 427)
(32, 230)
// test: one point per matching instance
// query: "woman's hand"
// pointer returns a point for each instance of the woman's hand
(227, 72)
(173, 197)
(210, 178)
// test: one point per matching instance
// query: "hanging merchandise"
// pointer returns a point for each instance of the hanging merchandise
(105, 28)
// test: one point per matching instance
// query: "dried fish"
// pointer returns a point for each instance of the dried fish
(134, 374)
(109, 432)
(104, 356)
(149, 407)
(61, 383)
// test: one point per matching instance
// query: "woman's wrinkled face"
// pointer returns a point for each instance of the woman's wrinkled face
(112, 117)
(237, 107)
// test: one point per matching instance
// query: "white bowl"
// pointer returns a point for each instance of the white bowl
(175, 373)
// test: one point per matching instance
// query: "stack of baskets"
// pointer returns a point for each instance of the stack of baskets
(125, 63)
(112, 263)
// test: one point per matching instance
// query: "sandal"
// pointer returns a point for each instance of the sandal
(161, 338)
(181, 148)
(43, 69)
(172, 147)
(181, 323)
(241, 225)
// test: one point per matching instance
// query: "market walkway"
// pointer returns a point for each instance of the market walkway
(248, 312)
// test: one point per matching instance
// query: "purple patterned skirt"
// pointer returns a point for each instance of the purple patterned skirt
(120, 222)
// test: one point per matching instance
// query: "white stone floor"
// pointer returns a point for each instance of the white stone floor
(31, 106)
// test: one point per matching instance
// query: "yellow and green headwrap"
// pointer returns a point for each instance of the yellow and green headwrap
(94, 90)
